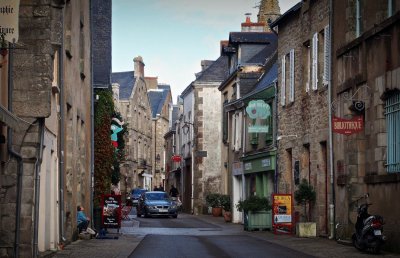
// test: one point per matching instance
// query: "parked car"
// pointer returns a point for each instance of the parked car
(156, 203)
(133, 198)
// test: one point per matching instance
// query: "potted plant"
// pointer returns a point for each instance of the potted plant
(226, 205)
(257, 212)
(214, 200)
(305, 195)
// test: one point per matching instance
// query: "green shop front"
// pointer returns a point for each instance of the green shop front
(259, 171)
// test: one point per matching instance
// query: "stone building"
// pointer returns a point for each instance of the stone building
(130, 95)
(303, 40)
(200, 129)
(366, 85)
(160, 102)
(245, 70)
(44, 167)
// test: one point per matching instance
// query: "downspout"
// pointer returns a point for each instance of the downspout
(243, 154)
(38, 165)
(275, 121)
(15, 154)
(332, 173)
(61, 135)
(91, 179)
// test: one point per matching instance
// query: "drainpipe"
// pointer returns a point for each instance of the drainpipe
(15, 154)
(61, 135)
(275, 121)
(332, 173)
(38, 164)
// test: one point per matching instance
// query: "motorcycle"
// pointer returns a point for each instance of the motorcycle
(369, 229)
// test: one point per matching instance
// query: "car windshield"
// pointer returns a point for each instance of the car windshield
(138, 191)
(157, 196)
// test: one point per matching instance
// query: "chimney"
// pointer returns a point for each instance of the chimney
(115, 89)
(250, 26)
(139, 66)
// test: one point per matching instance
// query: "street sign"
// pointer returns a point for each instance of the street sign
(176, 158)
(282, 219)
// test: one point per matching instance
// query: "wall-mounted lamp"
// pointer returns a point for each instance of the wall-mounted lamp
(285, 136)
(185, 127)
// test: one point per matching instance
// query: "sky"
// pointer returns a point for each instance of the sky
(173, 36)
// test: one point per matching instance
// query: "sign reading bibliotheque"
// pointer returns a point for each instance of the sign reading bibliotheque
(347, 126)
(9, 12)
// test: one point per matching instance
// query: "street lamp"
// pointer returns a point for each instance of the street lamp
(284, 136)
(185, 127)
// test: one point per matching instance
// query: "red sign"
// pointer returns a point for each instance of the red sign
(347, 126)
(176, 158)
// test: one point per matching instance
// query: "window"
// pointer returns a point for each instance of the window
(287, 78)
(359, 27)
(314, 67)
(307, 65)
(327, 50)
(392, 113)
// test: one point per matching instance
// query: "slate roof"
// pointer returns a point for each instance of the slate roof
(252, 37)
(267, 51)
(175, 115)
(157, 99)
(126, 81)
(217, 72)
(288, 14)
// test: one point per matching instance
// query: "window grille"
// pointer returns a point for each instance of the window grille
(392, 113)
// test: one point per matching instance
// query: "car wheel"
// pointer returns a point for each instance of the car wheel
(175, 216)
(146, 215)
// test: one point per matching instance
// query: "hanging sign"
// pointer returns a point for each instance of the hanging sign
(282, 219)
(347, 126)
(176, 158)
(9, 12)
(258, 109)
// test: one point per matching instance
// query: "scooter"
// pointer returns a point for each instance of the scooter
(369, 229)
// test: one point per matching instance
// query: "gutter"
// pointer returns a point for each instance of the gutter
(91, 179)
(332, 173)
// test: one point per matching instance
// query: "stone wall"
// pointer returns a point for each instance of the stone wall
(303, 124)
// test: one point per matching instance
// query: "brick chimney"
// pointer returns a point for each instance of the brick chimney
(249, 26)
(139, 66)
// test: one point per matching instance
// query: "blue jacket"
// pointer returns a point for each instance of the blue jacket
(81, 217)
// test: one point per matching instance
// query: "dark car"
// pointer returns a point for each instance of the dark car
(133, 198)
(156, 203)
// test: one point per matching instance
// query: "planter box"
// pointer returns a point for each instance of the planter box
(257, 220)
(306, 229)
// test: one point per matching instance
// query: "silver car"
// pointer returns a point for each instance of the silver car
(156, 203)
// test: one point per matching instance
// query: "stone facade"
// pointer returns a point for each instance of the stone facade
(365, 76)
(54, 138)
(135, 108)
(303, 106)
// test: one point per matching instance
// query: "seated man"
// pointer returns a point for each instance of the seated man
(82, 219)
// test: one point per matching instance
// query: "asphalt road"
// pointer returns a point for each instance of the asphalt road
(188, 237)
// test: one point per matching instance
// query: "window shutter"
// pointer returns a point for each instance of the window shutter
(233, 130)
(240, 126)
(308, 69)
(327, 50)
(283, 90)
(291, 93)
(314, 72)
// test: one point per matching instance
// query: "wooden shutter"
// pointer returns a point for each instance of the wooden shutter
(283, 81)
(327, 50)
(314, 71)
(291, 72)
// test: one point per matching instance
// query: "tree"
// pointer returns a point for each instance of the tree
(305, 195)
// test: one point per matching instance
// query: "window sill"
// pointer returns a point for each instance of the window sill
(380, 179)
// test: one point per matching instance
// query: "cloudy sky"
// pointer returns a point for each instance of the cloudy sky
(173, 36)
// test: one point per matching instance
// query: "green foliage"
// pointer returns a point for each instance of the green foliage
(253, 203)
(213, 200)
(305, 194)
(226, 202)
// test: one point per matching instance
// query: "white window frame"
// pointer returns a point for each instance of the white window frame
(314, 68)
(327, 50)
(283, 81)
(291, 75)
